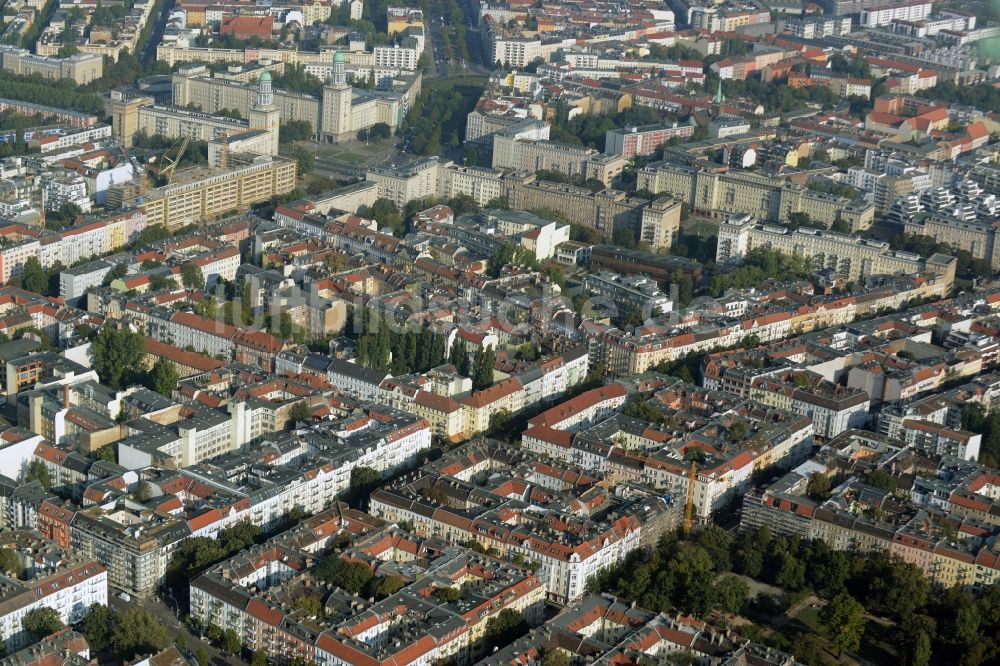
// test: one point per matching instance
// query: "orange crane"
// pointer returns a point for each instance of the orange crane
(689, 507)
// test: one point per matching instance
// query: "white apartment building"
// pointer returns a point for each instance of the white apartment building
(417, 180)
(69, 592)
(75, 137)
(207, 336)
(355, 380)
(514, 51)
(219, 266)
(717, 485)
(883, 15)
(480, 183)
(832, 412)
(61, 190)
(396, 57)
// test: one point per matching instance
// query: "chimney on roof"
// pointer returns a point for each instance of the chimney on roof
(65, 399)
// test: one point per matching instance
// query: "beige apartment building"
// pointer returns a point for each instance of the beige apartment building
(339, 115)
(199, 194)
(82, 68)
(132, 115)
(480, 183)
(605, 211)
(978, 238)
(417, 180)
(195, 86)
(521, 155)
(852, 257)
(722, 193)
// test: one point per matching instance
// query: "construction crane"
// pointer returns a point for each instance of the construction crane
(689, 507)
(167, 170)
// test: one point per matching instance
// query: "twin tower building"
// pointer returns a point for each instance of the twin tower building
(197, 93)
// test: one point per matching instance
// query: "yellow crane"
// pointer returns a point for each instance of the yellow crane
(167, 165)
(689, 507)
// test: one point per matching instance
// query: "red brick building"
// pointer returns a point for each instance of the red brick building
(245, 27)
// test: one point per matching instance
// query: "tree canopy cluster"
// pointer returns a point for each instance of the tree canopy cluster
(759, 265)
(438, 117)
(950, 626)
(126, 634)
(508, 253)
(589, 129)
(410, 349)
(356, 578)
(974, 418)
(982, 96)
(297, 79)
(196, 554)
(966, 266)
(117, 354)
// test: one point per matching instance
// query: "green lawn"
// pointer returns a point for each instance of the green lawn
(809, 617)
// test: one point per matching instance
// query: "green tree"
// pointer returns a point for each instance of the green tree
(231, 642)
(300, 411)
(363, 481)
(731, 594)
(379, 132)
(553, 656)
(311, 604)
(462, 204)
(718, 543)
(305, 158)
(33, 276)
(119, 271)
(828, 569)
(238, 536)
(482, 368)
(9, 562)
(881, 479)
(386, 214)
(791, 573)
(459, 356)
(144, 492)
(353, 577)
(385, 586)
(843, 620)
(690, 574)
(106, 452)
(117, 353)
(163, 377)
(918, 651)
(151, 234)
(137, 631)
(503, 628)
(192, 277)
(295, 130)
(201, 656)
(37, 471)
(495, 263)
(819, 487)
(97, 627)
(42, 622)
(259, 658)
(207, 307)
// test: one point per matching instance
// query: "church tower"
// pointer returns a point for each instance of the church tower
(264, 115)
(338, 98)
